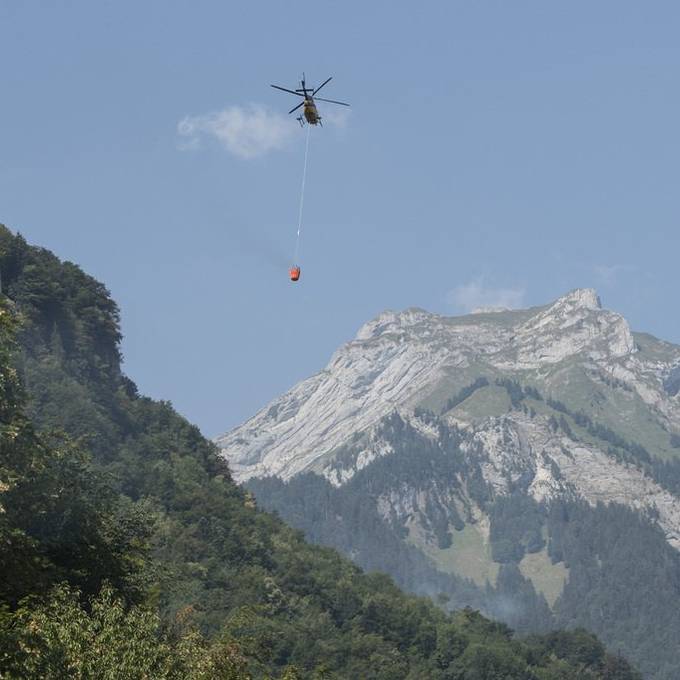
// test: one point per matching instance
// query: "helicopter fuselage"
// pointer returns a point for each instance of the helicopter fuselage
(310, 112)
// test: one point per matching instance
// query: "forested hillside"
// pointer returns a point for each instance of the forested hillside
(128, 552)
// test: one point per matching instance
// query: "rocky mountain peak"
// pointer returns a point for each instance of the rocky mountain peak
(402, 360)
(391, 321)
(584, 298)
(575, 323)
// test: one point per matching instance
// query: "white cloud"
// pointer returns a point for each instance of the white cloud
(475, 296)
(246, 132)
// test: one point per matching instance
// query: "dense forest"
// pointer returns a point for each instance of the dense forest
(128, 552)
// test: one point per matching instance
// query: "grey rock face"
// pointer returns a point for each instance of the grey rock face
(398, 360)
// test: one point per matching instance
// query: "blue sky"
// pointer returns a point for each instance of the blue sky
(495, 152)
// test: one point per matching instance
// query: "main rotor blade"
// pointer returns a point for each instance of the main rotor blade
(297, 107)
(322, 84)
(286, 90)
(330, 101)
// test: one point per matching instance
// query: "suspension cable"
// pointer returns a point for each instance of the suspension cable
(302, 197)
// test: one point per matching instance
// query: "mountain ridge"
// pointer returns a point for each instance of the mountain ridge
(396, 360)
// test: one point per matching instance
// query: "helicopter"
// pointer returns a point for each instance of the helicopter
(309, 112)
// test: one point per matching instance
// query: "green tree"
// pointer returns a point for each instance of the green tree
(59, 638)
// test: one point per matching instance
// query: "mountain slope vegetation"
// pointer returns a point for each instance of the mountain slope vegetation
(128, 551)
